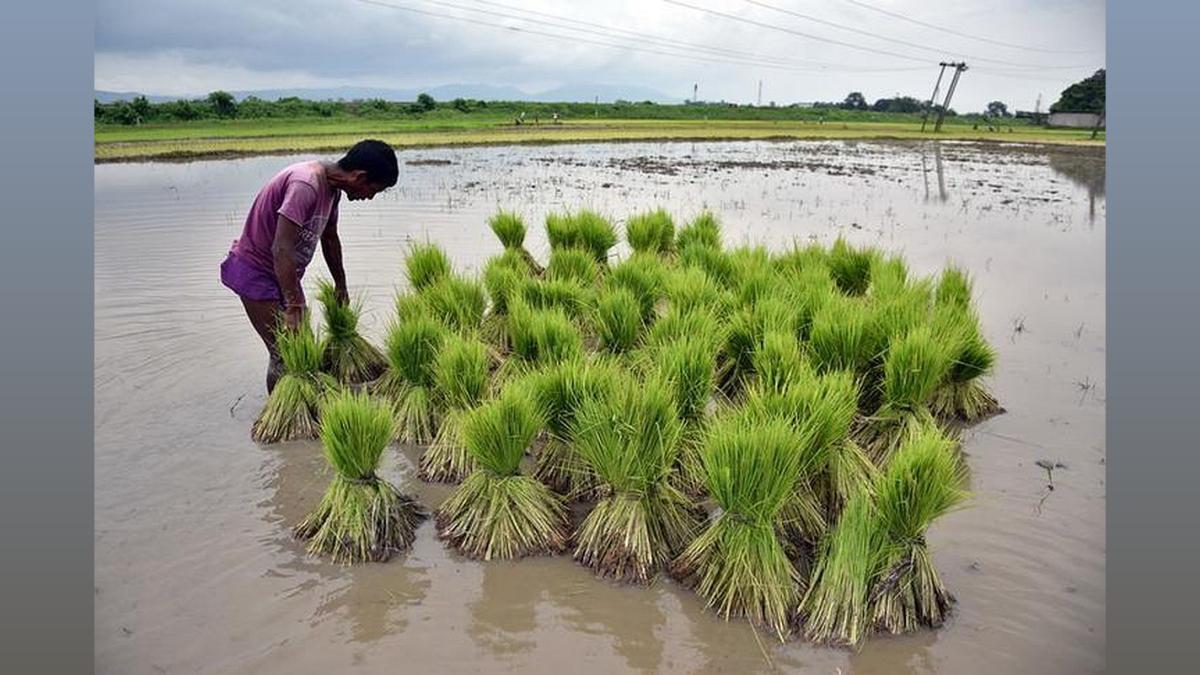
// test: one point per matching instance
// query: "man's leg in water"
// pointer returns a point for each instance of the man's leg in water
(265, 315)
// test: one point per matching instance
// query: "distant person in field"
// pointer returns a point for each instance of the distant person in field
(292, 212)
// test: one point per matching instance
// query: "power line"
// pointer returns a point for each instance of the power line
(818, 66)
(902, 17)
(906, 43)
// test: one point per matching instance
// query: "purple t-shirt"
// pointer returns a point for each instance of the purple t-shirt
(300, 193)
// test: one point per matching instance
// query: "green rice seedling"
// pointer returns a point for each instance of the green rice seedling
(850, 470)
(715, 262)
(963, 397)
(573, 298)
(690, 288)
(560, 389)
(539, 338)
(704, 230)
(851, 267)
(954, 288)
(498, 513)
(503, 276)
(457, 302)
(915, 365)
(618, 320)
(361, 517)
(347, 356)
(738, 564)
(778, 361)
(426, 264)
(645, 276)
(807, 291)
(842, 337)
(835, 609)
(744, 333)
(583, 229)
(630, 439)
(460, 375)
(677, 324)
(651, 232)
(292, 408)
(899, 309)
(924, 480)
(509, 229)
(574, 265)
(410, 306)
(800, 259)
(687, 367)
(411, 348)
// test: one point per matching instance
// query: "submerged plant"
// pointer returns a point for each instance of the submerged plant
(498, 512)
(460, 376)
(630, 439)
(411, 348)
(347, 355)
(704, 230)
(292, 408)
(738, 564)
(425, 265)
(651, 232)
(361, 517)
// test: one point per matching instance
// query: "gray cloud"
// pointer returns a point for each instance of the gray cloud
(188, 46)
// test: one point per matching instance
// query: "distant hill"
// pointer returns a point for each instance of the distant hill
(566, 93)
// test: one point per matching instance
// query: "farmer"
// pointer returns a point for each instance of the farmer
(292, 212)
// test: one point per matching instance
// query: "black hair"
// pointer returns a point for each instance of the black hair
(377, 158)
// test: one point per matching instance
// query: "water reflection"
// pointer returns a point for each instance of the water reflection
(939, 169)
(1085, 170)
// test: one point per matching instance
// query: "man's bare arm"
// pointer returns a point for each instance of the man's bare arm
(283, 249)
(331, 248)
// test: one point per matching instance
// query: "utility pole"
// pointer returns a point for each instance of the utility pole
(597, 106)
(695, 95)
(958, 70)
(936, 85)
(760, 93)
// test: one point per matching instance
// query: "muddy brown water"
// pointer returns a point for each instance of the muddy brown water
(195, 567)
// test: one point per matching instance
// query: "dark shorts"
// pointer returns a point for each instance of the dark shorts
(249, 281)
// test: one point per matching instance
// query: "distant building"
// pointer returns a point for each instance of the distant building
(1033, 117)
(1076, 120)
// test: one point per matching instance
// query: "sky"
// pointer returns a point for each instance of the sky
(802, 51)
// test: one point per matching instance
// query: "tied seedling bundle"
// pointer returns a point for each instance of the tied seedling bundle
(704, 230)
(361, 517)
(738, 564)
(584, 229)
(347, 354)
(292, 410)
(963, 397)
(412, 347)
(460, 375)
(498, 512)
(425, 265)
(630, 440)
(510, 230)
(651, 232)
(503, 278)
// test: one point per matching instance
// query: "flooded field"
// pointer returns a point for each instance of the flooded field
(196, 569)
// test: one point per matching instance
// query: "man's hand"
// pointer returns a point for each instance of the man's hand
(292, 316)
(342, 295)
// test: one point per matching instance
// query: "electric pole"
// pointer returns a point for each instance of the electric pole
(936, 85)
(760, 93)
(958, 70)
(695, 95)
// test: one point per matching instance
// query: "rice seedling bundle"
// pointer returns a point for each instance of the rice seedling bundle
(361, 517)
(851, 267)
(425, 265)
(835, 607)
(347, 354)
(457, 302)
(411, 348)
(539, 337)
(583, 229)
(915, 365)
(954, 288)
(690, 288)
(573, 265)
(687, 367)
(651, 232)
(498, 512)
(842, 336)
(572, 297)
(618, 320)
(744, 334)
(963, 397)
(460, 375)
(630, 440)
(510, 229)
(645, 276)
(778, 361)
(503, 277)
(800, 259)
(712, 260)
(924, 480)
(738, 564)
(292, 410)
(704, 230)
(410, 306)
(677, 324)
(560, 390)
